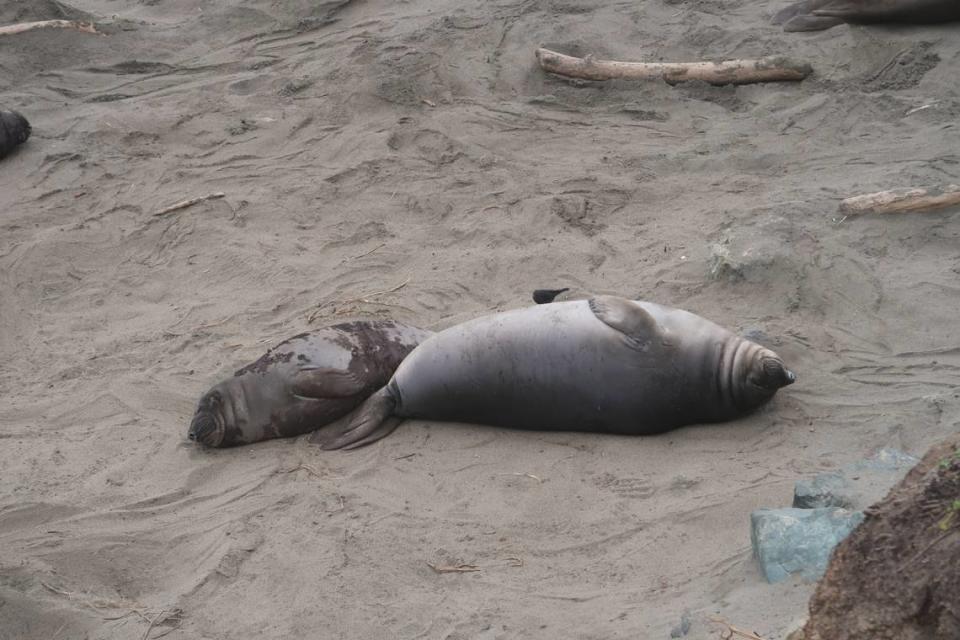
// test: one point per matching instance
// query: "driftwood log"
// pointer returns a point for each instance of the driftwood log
(902, 200)
(12, 29)
(769, 69)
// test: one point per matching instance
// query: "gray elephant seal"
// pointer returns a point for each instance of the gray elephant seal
(304, 383)
(816, 15)
(607, 364)
(14, 131)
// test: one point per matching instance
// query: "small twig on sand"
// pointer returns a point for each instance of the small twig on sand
(902, 200)
(524, 475)
(365, 253)
(189, 203)
(23, 27)
(456, 568)
(309, 470)
(365, 299)
(732, 631)
(769, 69)
(921, 108)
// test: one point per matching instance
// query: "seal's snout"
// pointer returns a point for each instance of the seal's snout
(773, 373)
(202, 426)
(207, 426)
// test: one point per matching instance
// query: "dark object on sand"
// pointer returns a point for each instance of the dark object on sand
(304, 383)
(817, 15)
(895, 577)
(546, 296)
(14, 131)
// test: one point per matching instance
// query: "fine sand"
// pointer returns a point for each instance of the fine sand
(408, 159)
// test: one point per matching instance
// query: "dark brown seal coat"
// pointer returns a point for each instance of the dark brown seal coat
(304, 383)
(607, 364)
(816, 15)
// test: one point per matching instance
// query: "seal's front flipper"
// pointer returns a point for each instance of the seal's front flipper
(325, 382)
(365, 424)
(629, 318)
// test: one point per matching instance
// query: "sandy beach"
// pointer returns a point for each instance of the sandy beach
(410, 160)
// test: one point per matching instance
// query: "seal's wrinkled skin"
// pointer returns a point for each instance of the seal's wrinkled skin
(14, 131)
(304, 383)
(817, 15)
(608, 364)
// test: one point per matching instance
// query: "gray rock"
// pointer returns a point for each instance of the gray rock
(856, 486)
(889, 460)
(787, 541)
(824, 490)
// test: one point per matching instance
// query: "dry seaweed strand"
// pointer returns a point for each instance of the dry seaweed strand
(731, 631)
(363, 299)
(23, 27)
(769, 69)
(99, 605)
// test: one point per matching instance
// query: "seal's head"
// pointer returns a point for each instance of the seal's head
(209, 424)
(765, 373)
(751, 376)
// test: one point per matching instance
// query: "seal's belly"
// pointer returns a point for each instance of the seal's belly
(555, 367)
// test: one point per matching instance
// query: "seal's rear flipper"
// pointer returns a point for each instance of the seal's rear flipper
(786, 14)
(546, 296)
(365, 424)
(806, 16)
(638, 327)
(386, 428)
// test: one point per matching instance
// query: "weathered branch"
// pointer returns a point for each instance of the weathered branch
(189, 203)
(12, 29)
(769, 69)
(902, 200)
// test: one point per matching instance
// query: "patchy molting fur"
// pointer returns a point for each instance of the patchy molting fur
(303, 383)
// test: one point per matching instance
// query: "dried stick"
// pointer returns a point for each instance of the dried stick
(769, 69)
(902, 200)
(458, 568)
(23, 27)
(190, 203)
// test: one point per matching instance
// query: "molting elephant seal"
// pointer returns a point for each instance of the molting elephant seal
(304, 383)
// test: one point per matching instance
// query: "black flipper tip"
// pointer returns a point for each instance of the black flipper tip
(546, 296)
